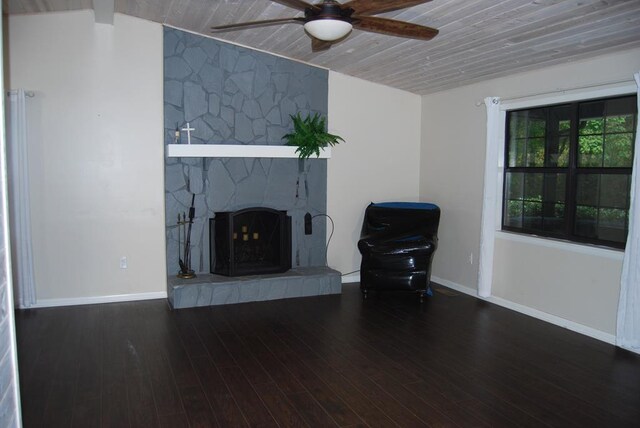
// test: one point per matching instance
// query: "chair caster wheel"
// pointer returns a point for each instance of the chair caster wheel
(425, 293)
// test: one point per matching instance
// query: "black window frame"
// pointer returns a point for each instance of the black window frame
(572, 170)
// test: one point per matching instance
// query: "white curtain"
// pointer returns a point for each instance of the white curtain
(495, 130)
(19, 206)
(628, 331)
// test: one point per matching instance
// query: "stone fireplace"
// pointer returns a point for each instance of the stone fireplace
(236, 96)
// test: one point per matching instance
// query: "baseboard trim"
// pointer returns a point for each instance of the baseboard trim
(355, 277)
(94, 300)
(535, 313)
(352, 277)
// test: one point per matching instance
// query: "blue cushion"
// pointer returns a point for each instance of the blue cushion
(408, 205)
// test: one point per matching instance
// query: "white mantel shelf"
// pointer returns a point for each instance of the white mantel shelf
(236, 151)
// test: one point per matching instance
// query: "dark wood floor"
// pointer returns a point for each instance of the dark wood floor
(320, 361)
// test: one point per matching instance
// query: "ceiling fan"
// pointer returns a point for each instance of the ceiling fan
(329, 22)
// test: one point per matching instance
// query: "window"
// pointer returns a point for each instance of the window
(568, 170)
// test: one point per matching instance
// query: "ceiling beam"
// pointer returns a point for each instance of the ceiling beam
(103, 11)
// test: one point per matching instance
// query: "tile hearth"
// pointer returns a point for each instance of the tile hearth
(211, 290)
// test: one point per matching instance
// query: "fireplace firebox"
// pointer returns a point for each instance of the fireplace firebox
(251, 241)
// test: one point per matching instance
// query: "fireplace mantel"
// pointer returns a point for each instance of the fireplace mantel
(235, 151)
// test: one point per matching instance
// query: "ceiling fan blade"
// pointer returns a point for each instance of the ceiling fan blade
(318, 45)
(371, 7)
(253, 24)
(391, 27)
(297, 4)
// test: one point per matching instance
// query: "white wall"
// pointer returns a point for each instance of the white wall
(379, 160)
(452, 168)
(96, 151)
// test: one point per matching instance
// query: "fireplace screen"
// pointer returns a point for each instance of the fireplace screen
(250, 242)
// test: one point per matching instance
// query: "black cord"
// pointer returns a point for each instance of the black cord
(349, 273)
(333, 228)
(326, 252)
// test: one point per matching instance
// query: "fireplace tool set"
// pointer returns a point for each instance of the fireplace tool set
(184, 231)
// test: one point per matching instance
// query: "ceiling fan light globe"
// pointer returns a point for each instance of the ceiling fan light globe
(328, 29)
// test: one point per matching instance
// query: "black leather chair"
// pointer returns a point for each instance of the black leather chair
(397, 244)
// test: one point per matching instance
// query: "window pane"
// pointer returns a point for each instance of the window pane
(535, 201)
(614, 191)
(602, 206)
(535, 152)
(554, 219)
(537, 127)
(590, 149)
(517, 152)
(606, 133)
(623, 106)
(586, 220)
(612, 224)
(558, 152)
(513, 214)
(528, 123)
(558, 134)
(619, 124)
(533, 186)
(515, 185)
(532, 215)
(588, 189)
(618, 150)
(527, 130)
(602, 212)
(590, 130)
(554, 187)
(518, 124)
(592, 126)
(553, 207)
(603, 190)
(605, 223)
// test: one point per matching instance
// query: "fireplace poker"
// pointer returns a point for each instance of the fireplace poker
(185, 265)
(179, 239)
(182, 233)
(192, 214)
(185, 262)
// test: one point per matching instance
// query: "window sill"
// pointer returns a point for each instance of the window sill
(573, 247)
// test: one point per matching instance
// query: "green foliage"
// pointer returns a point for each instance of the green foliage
(602, 142)
(614, 139)
(310, 135)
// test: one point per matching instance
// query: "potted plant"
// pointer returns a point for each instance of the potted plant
(310, 135)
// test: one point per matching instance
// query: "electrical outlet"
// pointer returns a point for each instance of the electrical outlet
(123, 262)
(470, 258)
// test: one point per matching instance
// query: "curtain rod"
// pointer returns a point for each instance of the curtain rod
(560, 91)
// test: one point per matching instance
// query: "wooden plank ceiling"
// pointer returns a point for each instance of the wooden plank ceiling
(478, 40)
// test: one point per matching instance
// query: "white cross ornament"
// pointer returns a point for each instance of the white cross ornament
(188, 130)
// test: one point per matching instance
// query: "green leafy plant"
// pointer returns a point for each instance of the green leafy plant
(310, 135)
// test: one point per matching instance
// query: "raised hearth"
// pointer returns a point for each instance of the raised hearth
(211, 290)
